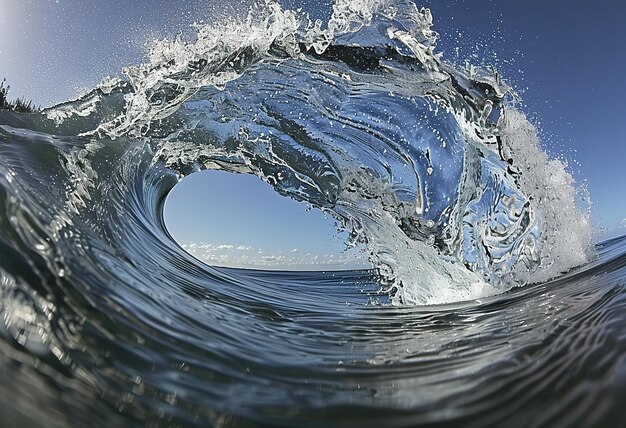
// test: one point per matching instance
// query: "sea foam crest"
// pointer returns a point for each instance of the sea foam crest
(221, 52)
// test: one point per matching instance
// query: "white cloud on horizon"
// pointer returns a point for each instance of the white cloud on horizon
(246, 256)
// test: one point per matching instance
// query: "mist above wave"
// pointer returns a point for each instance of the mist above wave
(429, 165)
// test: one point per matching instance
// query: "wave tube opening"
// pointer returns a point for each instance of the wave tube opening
(238, 221)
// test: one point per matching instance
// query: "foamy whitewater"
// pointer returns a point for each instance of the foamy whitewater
(428, 165)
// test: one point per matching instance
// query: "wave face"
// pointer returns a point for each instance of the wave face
(428, 165)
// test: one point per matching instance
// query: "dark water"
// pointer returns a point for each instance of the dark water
(488, 305)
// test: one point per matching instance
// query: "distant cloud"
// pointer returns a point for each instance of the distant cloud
(246, 256)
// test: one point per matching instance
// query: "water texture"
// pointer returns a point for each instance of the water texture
(488, 304)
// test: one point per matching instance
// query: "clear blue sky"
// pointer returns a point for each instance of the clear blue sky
(566, 56)
(237, 220)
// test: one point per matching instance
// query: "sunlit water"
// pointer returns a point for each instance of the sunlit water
(487, 305)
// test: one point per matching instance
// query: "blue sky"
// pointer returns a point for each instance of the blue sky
(566, 58)
(237, 220)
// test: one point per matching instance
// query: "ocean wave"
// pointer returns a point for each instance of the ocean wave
(430, 166)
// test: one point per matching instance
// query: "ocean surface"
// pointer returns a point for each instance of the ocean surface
(489, 302)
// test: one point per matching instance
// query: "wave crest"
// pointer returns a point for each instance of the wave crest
(429, 165)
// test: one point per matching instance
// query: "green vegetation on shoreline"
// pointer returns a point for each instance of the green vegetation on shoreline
(19, 105)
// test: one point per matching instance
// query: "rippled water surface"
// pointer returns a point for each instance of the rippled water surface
(488, 304)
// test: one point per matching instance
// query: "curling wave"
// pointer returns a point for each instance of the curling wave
(431, 167)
